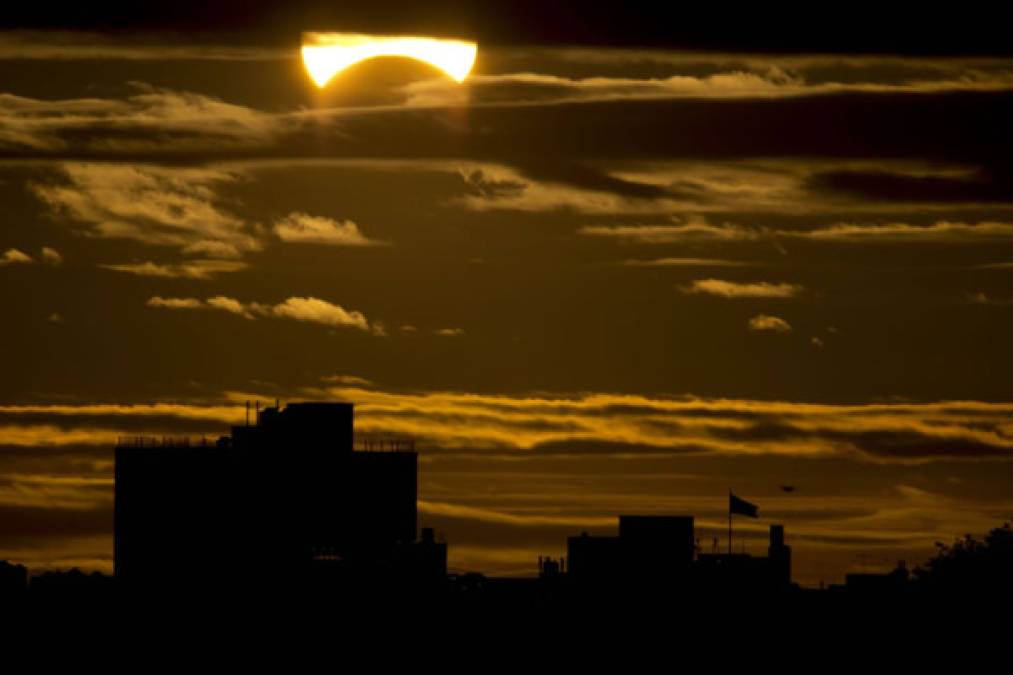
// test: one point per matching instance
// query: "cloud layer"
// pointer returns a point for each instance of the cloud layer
(159, 206)
(766, 322)
(147, 119)
(12, 256)
(308, 309)
(592, 424)
(306, 229)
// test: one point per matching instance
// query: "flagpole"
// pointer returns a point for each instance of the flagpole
(729, 523)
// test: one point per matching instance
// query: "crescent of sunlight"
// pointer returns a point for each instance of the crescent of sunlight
(326, 54)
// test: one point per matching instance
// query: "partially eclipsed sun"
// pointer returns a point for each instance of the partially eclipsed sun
(326, 54)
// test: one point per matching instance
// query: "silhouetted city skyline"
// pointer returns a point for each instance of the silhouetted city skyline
(287, 510)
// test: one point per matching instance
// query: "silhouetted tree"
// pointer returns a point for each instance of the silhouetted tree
(13, 579)
(71, 584)
(971, 565)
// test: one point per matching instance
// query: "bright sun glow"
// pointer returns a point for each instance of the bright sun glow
(326, 54)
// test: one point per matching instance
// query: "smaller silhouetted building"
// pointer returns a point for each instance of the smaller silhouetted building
(658, 543)
(424, 561)
(878, 584)
(595, 558)
(742, 573)
(660, 552)
(649, 549)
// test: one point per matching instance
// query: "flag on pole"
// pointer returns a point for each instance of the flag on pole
(741, 506)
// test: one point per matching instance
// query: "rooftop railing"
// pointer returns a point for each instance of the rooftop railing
(362, 443)
(162, 442)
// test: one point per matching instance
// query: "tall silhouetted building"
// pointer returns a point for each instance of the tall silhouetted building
(174, 511)
(265, 503)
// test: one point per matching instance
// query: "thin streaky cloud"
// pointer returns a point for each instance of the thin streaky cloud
(506, 518)
(734, 289)
(45, 435)
(81, 46)
(694, 228)
(684, 262)
(697, 228)
(981, 298)
(149, 119)
(175, 303)
(940, 231)
(530, 88)
(194, 269)
(632, 57)
(347, 380)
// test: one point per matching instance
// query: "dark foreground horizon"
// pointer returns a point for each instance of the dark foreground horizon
(288, 513)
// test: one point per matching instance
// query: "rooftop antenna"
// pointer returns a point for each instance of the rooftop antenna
(277, 403)
(247, 412)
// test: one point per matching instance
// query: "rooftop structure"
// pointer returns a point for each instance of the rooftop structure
(660, 551)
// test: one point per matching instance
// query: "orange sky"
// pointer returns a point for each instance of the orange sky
(591, 279)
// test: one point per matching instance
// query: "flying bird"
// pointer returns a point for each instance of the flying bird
(788, 488)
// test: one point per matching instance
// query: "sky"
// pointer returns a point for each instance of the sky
(618, 269)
